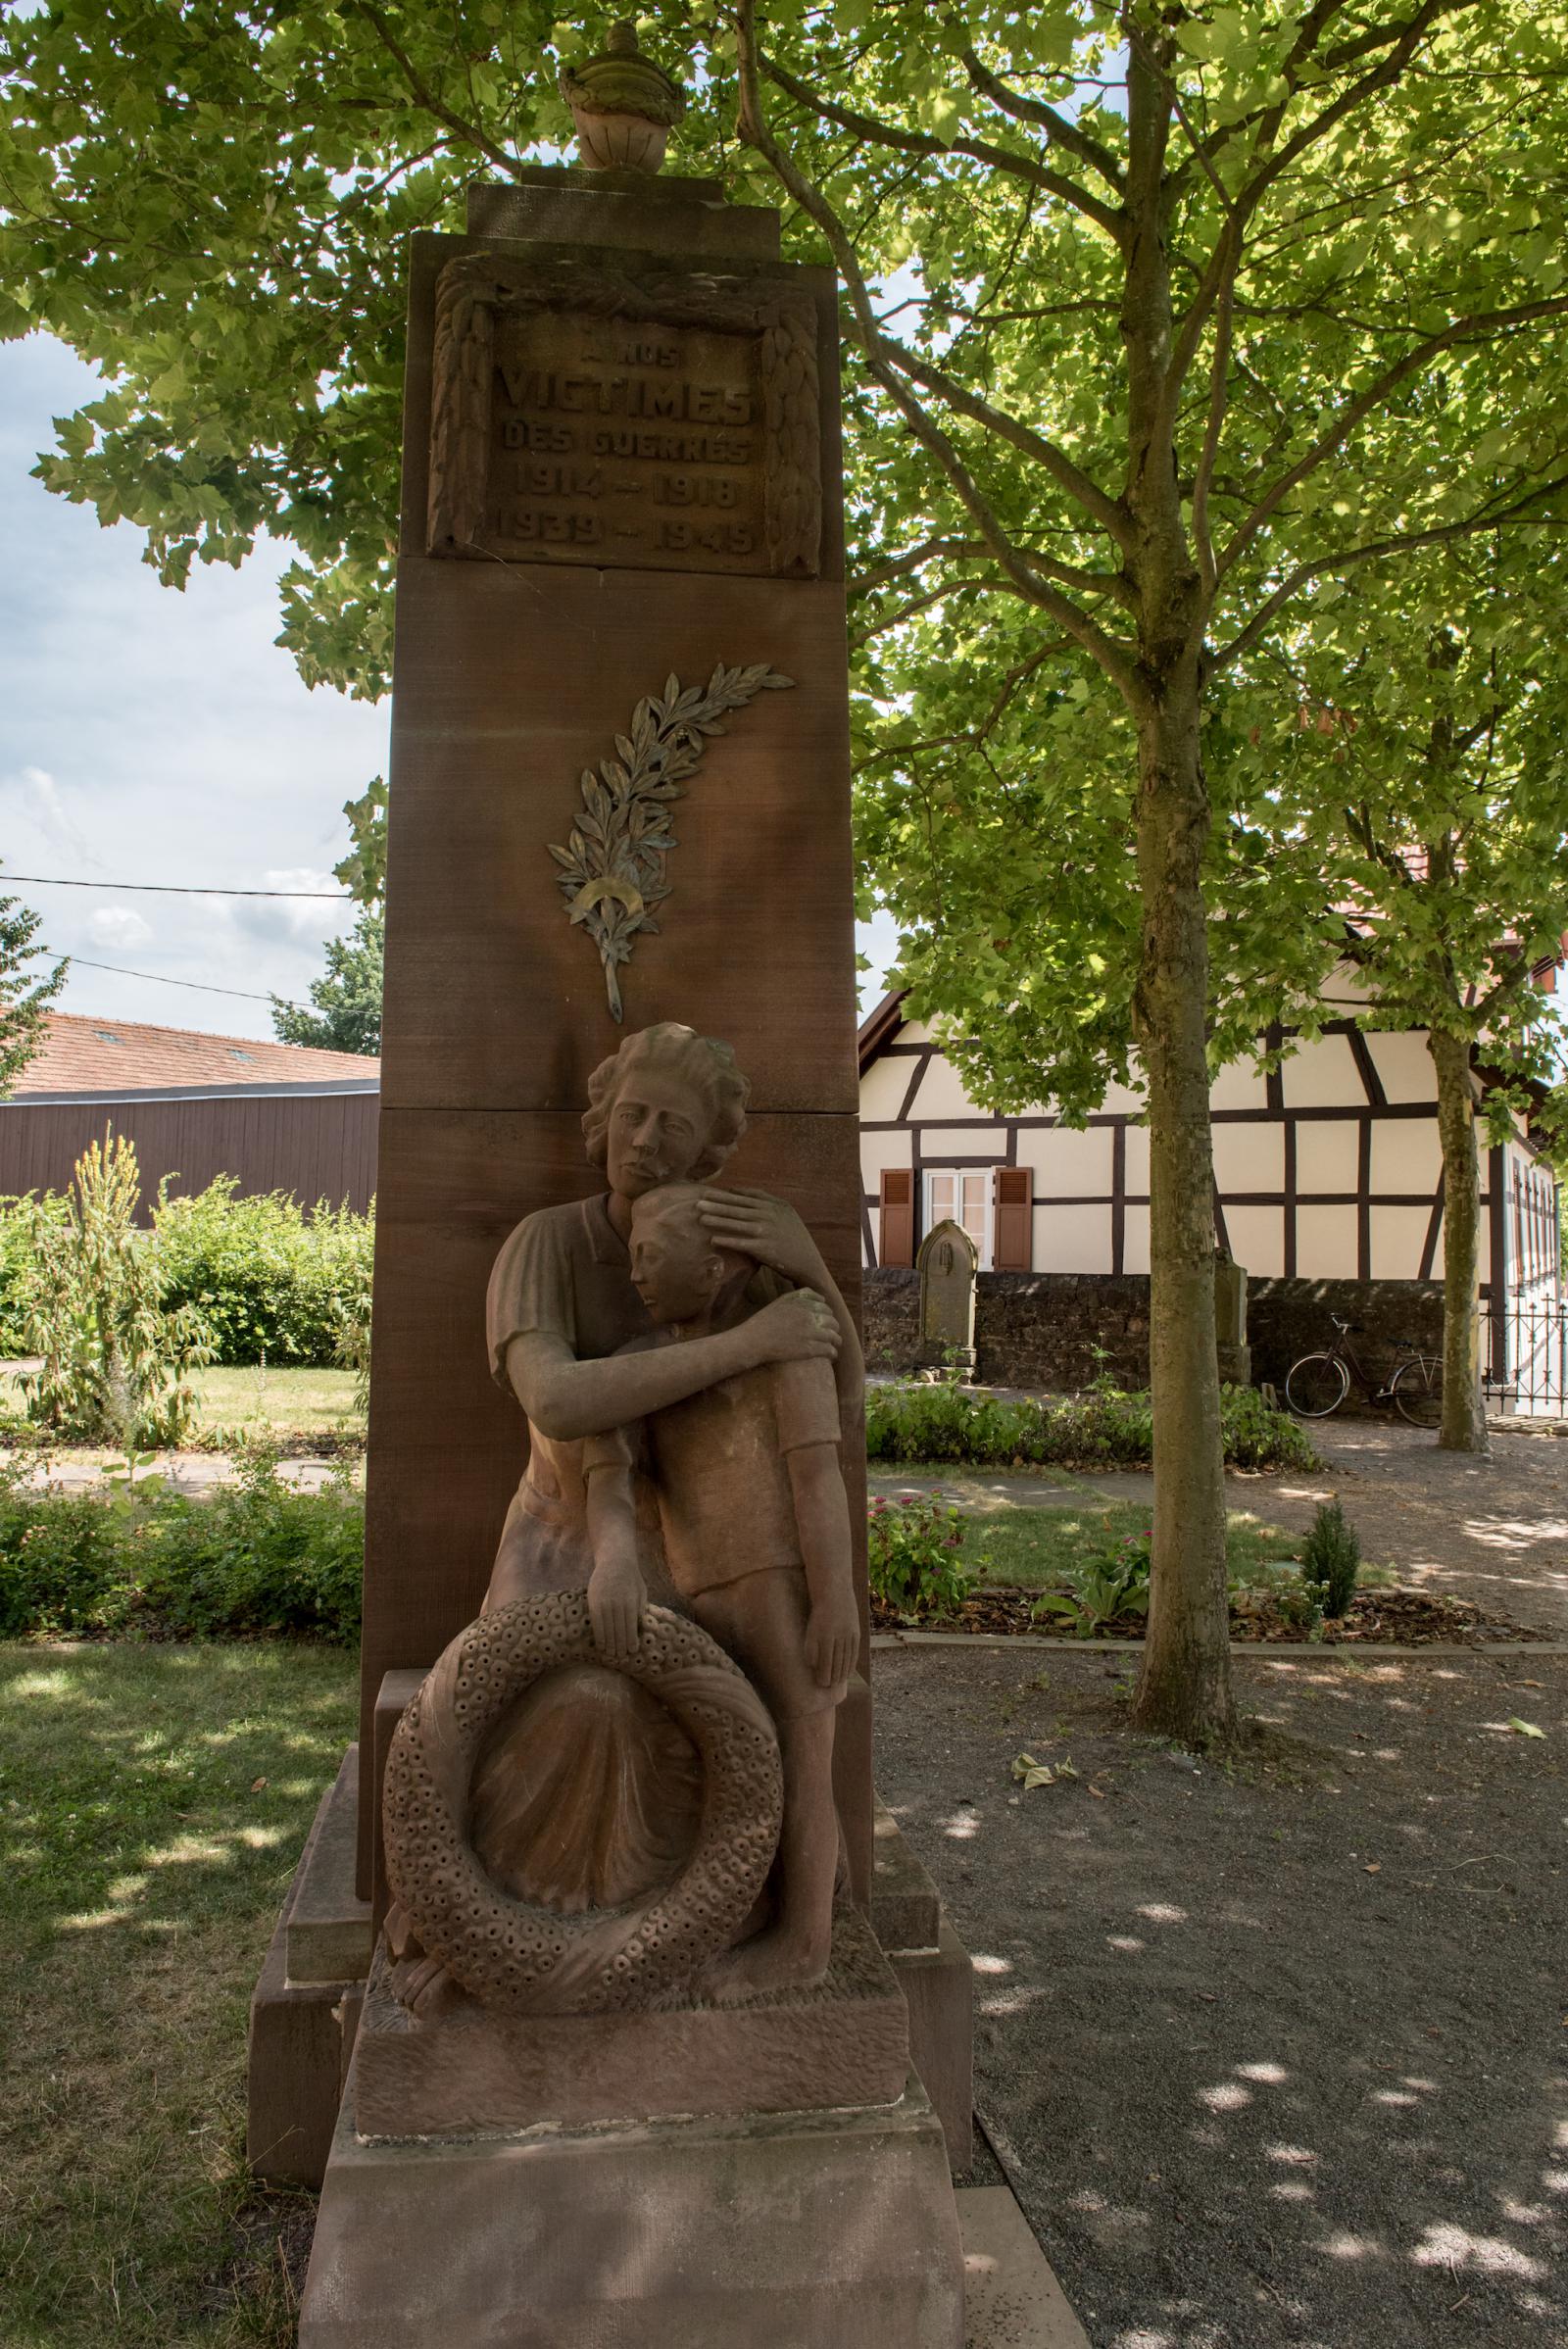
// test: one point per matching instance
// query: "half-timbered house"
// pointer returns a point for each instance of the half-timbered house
(1327, 1168)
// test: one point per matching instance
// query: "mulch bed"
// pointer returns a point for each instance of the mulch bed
(1409, 1618)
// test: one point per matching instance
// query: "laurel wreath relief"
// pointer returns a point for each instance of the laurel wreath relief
(613, 863)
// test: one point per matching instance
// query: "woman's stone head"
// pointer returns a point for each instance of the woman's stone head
(668, 1107)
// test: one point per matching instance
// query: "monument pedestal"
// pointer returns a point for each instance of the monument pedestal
(804, 2231)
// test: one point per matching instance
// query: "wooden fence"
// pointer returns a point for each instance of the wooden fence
(316, 1146)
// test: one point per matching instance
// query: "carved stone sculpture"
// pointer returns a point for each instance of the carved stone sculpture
(623, 105)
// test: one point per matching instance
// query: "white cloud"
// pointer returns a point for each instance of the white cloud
(119, 927)
(36, 800)
(305, 917)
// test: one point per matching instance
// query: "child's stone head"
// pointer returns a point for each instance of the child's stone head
(675, 1268)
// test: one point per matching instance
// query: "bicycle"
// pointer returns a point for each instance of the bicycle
(1319, 1383)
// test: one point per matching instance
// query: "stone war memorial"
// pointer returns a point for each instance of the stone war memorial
(605, 2008)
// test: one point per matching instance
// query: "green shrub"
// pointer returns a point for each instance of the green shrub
(17, 1219)
(1331, 1559)
(1108, 1427)
(255, 1556)
(912, 1545)
(116, 1350)
(277, 1284)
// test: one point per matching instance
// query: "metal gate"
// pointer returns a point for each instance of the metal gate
(1524, 1354)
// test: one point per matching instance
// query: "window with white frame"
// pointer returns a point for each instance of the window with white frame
(962, 1195)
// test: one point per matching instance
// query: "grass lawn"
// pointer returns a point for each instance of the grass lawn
(298, 1406)
(154, 1801)
(1037, 1547)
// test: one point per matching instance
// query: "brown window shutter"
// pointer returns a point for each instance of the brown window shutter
(1013, 1246)
(896, 1240)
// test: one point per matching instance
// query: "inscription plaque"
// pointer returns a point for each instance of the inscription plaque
(668, 423)
(625, 444)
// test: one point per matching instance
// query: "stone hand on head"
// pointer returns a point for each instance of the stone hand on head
(682, 1275)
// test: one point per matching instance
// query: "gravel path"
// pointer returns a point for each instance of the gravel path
(1276, 2056)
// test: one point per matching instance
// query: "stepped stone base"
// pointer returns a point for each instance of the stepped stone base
(820, 2231)
(466, 2071)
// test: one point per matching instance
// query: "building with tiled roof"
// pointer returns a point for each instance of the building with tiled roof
(102, 1059)
(273, 1117)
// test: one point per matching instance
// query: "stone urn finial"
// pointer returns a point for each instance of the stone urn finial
(623, 105)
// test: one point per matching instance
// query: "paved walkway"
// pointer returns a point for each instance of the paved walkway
(1494, 1531)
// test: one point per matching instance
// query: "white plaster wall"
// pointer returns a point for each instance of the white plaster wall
(1322, 1075)
(1326, 1155)
(1239, 1085)
(1135, 1240)
(1398, 1234)
(1325, 1243)
(1138, 1160)
(1258, 1239)
(882, 1150)
(884, 1086)
(1069, 1164)
(1249, 1158)
(1405, 1064)
(1346, 984)
(1072, 1238)
(1406, 1154)
(938, 1144)
(1123, 1101)
(940, 1093)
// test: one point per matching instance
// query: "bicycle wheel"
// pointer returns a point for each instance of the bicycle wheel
(1418, 1392)
(1317, 1386)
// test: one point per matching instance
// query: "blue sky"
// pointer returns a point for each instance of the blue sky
(147, 735)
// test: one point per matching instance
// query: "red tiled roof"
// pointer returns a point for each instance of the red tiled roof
(110, 1057)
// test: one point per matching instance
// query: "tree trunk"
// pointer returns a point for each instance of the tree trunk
(1183, 1689)
(1464, 1422)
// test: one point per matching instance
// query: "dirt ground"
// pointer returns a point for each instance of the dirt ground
(1492, 1529)
(1275, 2055)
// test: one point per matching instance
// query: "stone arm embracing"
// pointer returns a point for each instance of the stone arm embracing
(567, 1400)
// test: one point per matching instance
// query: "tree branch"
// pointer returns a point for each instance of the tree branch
(1105, 510)
(1346, 557)
(466, 133)
(920, 142)
(1065, 132)
(1116, 660)
(1478, 328)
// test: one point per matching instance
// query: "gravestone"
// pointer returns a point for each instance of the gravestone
(619, 803)
(948, 1264)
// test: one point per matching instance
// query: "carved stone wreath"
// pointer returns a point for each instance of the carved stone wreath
(475, 289)
(613, 864)
(522, 1959)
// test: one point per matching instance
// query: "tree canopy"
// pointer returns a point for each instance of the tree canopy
(25, 993)
(347, 1000)
(1168, 326)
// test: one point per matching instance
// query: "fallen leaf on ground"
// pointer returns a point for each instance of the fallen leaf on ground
(1032, 1773)
(1526, 1728)
(1373, 1868)
(257, 1784)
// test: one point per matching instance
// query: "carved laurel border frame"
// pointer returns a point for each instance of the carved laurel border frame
(476, 289)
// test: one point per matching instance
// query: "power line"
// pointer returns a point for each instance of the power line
(175, 889)
(201, 986)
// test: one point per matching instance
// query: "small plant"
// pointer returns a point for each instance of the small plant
(1108, 1427)
(914, 1545)
(1331, 1559)
(116, 1353)
(353, 1349)
(1106, 1584)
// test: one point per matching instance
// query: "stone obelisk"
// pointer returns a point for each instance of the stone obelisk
(622, 494)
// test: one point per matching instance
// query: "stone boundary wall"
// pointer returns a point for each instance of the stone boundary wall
(1031, 1329)
(1042, 1329)
(1286, 1319)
